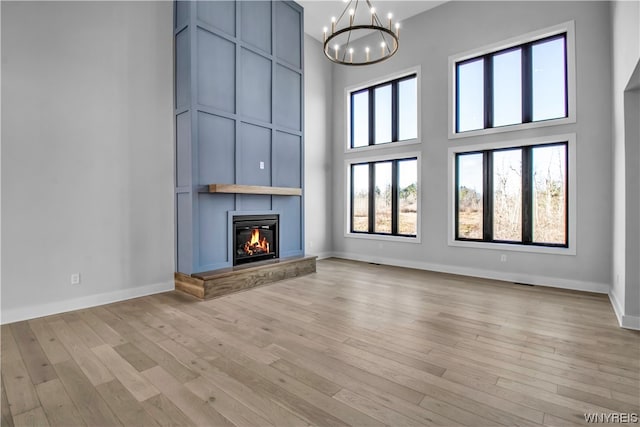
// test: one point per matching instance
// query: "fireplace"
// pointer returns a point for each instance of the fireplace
(255, 238)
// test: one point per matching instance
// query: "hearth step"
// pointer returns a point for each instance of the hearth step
(216, 283)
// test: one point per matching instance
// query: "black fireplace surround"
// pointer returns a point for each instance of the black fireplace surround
(255, 238)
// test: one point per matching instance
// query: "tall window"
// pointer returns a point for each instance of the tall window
(385, 113)
(522, 84)
(384, 197)
(513, 195)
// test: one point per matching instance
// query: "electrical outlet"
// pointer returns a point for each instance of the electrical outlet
(75, 279)
(503, 258)
(261, 165)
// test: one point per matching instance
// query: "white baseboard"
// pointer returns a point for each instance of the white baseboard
(554, 282)
(39, 310)
(625, 321)
(630, 322)
(320, 255)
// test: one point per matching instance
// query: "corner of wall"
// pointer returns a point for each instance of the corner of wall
(318, 150)
(625, 53)
(625, 321)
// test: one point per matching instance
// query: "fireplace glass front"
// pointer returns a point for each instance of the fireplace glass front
(255, 238)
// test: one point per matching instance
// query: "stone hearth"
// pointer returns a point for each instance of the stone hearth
(213, 284)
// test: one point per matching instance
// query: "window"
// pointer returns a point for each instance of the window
(520, 83)
(384, 113)
(384, 197)
(513, 195)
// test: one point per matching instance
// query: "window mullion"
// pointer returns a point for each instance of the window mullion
(394, 197)
(372, 106)
(394, 111)
(527, 195)
(566, 192)
(566, 79)
(488, 91)
(457, 197)
(372, 201)
(353, 197)
(352, 114)
(457, 98)
(527, 84)
(487, 221)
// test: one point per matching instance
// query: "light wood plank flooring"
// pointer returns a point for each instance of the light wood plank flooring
(353, 344)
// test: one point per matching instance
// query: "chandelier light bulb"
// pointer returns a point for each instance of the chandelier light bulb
(324, 32)
(397, 29)
(336, 48)
(352, 12)
(351, 54)
(333, 24)
(366, 50)
(390, 15)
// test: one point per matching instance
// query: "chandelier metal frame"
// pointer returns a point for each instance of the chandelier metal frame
(346, 56)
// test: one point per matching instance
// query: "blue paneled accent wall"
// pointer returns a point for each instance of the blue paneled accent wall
(239, 104)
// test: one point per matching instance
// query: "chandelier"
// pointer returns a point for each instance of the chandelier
(346, 43)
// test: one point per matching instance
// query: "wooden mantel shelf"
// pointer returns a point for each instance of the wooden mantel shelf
(254, 189)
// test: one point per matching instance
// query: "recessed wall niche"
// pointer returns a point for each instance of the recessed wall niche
(238, 99)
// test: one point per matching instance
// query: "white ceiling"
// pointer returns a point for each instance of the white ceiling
(318, 13)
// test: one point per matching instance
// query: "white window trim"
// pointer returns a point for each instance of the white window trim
(569, 28)
(571, 185)
(347, 95)
(347, 197)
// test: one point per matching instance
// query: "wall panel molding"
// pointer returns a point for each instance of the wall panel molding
(239, 120)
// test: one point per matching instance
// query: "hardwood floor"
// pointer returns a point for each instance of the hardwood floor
(353, 344)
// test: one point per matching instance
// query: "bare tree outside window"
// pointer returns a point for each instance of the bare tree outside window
(408, 197)
(538, 218)
(507, 195)
(549, 195)
(470, 206)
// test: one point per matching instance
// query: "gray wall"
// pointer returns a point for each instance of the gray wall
(428, 40)
(86, 154)
(625, 23)
(317, 162)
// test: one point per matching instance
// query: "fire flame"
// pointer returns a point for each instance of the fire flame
(256, 245)
(255, 236)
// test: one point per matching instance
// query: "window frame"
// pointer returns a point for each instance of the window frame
(529, 39)
(348, 211)
(526, 246)
(371, 85)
